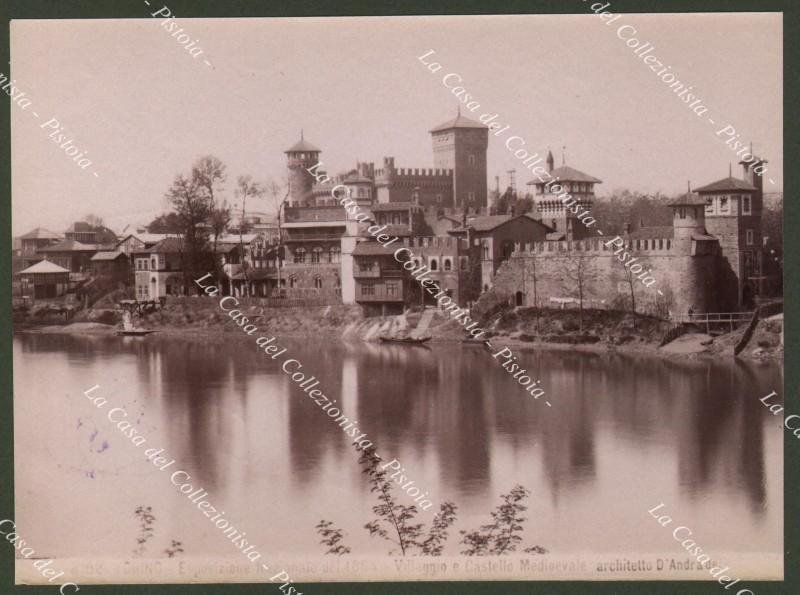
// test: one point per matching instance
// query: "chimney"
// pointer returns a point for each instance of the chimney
(627, 228)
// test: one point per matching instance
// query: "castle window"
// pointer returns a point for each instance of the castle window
(434, 265)
(315, 255)
(724, 206)
(318, 282)
(709, 205)
(334, 254)
(292, 281)
(486, 250)
(438, 198)
(669, 244)
(448, 266)
(470, 197)
(299, 256)
(746, 206)
(749, 237)
(471, 159)
(682, 212)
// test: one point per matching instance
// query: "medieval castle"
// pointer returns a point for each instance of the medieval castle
(709, 259)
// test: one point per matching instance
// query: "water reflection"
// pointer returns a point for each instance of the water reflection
(449, 413)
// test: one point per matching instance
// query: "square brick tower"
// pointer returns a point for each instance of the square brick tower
(733, 213)
(460, 145)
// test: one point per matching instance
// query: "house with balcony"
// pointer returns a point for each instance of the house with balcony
(33, 241)
(382, 285)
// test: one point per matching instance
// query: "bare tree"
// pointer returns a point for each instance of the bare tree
(246, 187)
(278, 198)
(630, 279)
(94, 220)
(209, 175)
(580, 273)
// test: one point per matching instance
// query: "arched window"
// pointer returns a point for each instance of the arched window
(318, 282)
(464, 263)
(292, 281)
(300, 255)
(485, 288)
(315, 254)
(471, 159)
(448, 266)
(334, 254)
(434, 265)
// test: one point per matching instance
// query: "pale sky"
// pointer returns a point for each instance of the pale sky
(144, 109)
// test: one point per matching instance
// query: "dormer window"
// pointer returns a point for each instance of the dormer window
(682, 213)
(724, 206)
(709, 205)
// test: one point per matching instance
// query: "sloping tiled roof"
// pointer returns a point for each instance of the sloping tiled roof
(690, 199)
(44, 266)
(167, 245)
(107, 255)
(303, 145)
(565, 173)
(69, 246)
(656, 232)
(726, 184)
(40, 233)
(459, 122)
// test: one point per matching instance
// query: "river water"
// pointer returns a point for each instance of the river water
(624, 434)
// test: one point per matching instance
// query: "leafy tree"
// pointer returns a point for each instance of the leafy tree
(166, 223)
(332, 538)
(193, 207)
(503, 534)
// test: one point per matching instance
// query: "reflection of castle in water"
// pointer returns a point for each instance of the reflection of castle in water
(224, 410)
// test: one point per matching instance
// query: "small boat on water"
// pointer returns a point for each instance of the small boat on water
(129, 330)
(405, 340)
(134, 332)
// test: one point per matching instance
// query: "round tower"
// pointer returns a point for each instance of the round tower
(299, 159)
(688, 219)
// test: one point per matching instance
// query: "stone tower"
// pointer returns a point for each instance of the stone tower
(554, 208)
(733, 210)
(688, 222)
(460, 145)
(299, 158)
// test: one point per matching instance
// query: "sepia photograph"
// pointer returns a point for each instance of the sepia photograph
(423, 298)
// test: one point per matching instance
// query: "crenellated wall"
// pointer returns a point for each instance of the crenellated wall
(684, 280)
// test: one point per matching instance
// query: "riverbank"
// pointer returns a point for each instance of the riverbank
(519, 328)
